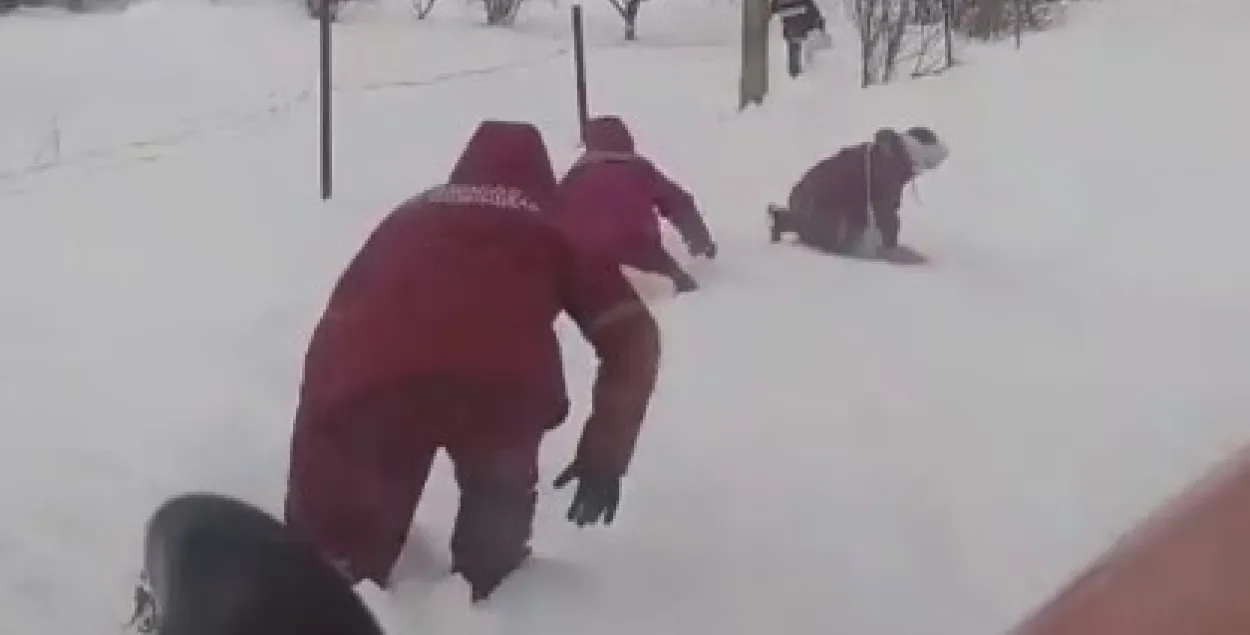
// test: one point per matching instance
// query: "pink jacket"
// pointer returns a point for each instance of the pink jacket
(608, 203)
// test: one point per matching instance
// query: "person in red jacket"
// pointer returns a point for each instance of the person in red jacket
(440, 334)
(848, 204)
(609, 200)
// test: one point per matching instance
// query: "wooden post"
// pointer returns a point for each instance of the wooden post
(753, 79)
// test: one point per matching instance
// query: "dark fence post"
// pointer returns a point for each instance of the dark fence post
(1019, 9)
(948, 27)
(579, 70)
(325, 90)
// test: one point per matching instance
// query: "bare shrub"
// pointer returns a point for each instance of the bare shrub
(924, 47)
(921, 32)
(628, 9)
(422, 8)
(995, 19)
(890, 36)
(502, 12)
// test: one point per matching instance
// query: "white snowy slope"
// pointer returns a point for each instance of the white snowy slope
(835, 446)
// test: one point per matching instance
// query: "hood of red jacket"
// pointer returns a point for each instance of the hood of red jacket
(608, 134)
(509, 154)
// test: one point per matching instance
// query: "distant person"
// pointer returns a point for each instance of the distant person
(803, 28)
(848, 204)
(440, 334)
(612, 199)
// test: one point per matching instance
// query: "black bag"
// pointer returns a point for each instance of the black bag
(216, 565)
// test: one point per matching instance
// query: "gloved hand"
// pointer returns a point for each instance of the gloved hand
(704, 249)
(684, 282)
(597, 496)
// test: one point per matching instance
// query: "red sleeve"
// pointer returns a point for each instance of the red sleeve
(678, 206)
(626, 339)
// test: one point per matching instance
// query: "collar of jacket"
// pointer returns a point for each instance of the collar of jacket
(605, 156)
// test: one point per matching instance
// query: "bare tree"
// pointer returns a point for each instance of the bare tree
(894, 32)
(629, 13)
(422, 8)
(864, 13)
(926, 49)
(502, 12)
(883, 27)
(994, 19)
(895, 21)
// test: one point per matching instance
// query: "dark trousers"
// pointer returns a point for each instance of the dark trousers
(356, 478)
(794, 56)
(818, 231)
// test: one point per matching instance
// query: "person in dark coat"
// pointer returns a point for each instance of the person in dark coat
(799, 20)
(848, 204)
(609, 200)
(440, 334)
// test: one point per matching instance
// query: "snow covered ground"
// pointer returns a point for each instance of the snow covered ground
(835, 446)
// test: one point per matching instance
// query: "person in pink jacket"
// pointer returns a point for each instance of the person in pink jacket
(611, 201)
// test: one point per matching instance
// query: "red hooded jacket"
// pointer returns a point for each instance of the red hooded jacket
(466, 281)
(609, 199)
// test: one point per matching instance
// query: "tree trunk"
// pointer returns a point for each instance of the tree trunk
(753, 82)
(948, 28)
(631, 19)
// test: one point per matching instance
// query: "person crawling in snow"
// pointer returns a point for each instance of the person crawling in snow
(608, 204)
(440, 335)
(848, 204)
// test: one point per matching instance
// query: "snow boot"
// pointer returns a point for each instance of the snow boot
(217, 566)
(484, 581)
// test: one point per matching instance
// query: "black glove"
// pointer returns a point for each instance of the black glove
(684, 282)
(704, 249)
(596, 497)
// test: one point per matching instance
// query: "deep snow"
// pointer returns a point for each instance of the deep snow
(835, 446)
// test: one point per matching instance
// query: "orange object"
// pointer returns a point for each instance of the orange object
(1184, 571)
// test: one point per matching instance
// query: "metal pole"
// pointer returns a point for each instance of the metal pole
(327, 149)
(579, 70)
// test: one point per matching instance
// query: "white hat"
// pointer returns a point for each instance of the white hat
(924, 149)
